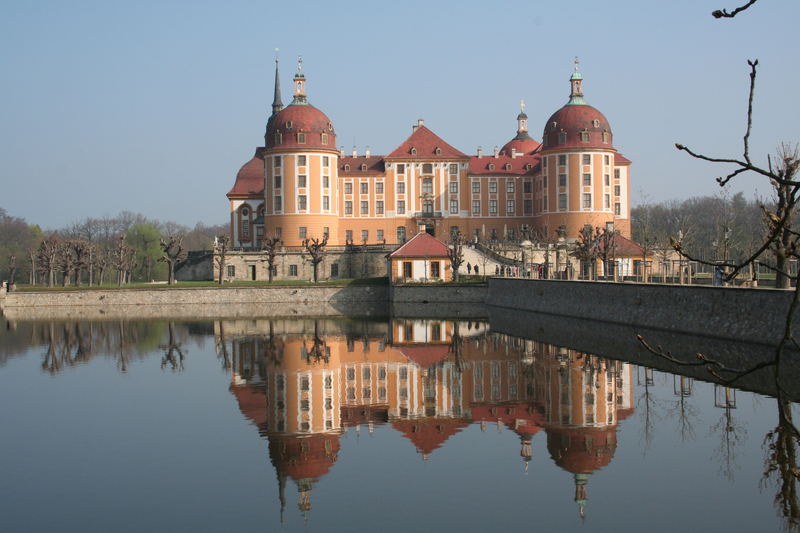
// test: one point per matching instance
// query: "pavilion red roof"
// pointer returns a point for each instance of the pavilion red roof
(425, 142)
(425, 355)
(250, 178)
(422, 245)
(504, 165)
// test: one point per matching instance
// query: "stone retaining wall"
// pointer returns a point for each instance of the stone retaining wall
(751, 315)
(467, 293)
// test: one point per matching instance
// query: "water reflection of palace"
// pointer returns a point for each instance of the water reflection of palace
(304, 382)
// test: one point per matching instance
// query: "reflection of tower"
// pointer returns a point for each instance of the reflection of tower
(584, 397)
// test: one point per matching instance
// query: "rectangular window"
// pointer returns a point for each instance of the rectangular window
(379, 235)
(231, 271)
(435, 269)
(246, 228)
(617, 209)
(587, 199)
(348, 188)
(301, 180)
(587, 159)
(364, 235)
(606, 159)
(326, 203)
(427, 186)
(526, 187)
(562, 159)
(492, 187)
(606, 180)
(326, 182)
(616, 190)
(277, 182)
(326, 232)
(334, 270)
(379, 207)
(544, 162)
(453, 207)
(348, 207)
(492, 207)
(476, 207)
(326, 161)
(401, 234)
(379, 188)
(401, 168)
(562, 180)
(401, 187)
(453, 169)
(562, 201)
(278, 204)
(301, 202)
(584, 136)
(606, 201)
(301, 138)
(365, 188)
(562, 137)
(616, 173)
(303, 231)
(510, 207)
(587, 180)
(476, 187)
(509, 187)
(324, 138)
(401, 207)
(364, 208)
(348, 235)
(277, 161)
(301, 160)
(453, 187)
(293, 270)
(528, 206)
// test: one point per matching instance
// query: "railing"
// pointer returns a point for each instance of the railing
(427, 214)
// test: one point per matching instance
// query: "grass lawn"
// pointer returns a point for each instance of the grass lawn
(211, 285)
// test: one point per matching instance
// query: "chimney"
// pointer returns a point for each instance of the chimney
(341, 151)
(355, 151)
(416, 126)
(513, 153)
(496, 151)
(366, 152)
(480, 151)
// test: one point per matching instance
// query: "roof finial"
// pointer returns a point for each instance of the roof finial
(522, 105)
(577, 64)
(299, 84)
(299, 63)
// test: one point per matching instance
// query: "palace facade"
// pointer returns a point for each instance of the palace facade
(299, 185)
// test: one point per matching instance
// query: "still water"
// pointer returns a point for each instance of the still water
(349, 425)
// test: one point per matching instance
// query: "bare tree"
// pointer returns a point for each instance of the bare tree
(220, 254)
(270, 246)
(67, 262)
(32, 259)
(586, 250)
(456, 252)
(47, 256)
(173, 254)
(123, 257)
(12, 270)
(316, 249)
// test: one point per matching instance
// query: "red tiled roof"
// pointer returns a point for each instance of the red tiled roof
(425, 142)
(250, 178)
(519, 165)
(522, 418)
(422, 245)
(375, 165)
(304, 457)
(523, 146)
(623, 247)
(573, 119)
(620, 159)
(581, 450)
(294, 119)
(425, 355)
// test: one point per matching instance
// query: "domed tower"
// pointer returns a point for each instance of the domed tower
(522, 143)
(583, 180)
(300, 169)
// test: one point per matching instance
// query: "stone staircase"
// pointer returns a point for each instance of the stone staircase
(486, 260)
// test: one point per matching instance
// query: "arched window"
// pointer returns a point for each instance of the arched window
(438, 151)
(491, 166)
(562, 137)
(288, 124)
(413, 151)
(605, 137)
(363, 167)
(301, 138)
(508, 166)
(347, 168)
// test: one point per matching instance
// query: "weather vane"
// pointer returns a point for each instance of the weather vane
(522, 105)
(276, 54)
(577, 63)
(299, 63)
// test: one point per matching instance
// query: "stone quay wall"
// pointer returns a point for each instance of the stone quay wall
(751, 315)
(329, 300)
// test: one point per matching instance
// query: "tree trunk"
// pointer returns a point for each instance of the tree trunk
(314, 266)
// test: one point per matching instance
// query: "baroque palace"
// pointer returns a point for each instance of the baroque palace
(300, 185)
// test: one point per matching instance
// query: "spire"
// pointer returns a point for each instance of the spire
(277, 104)
(300, 84)
(576, 86)
(522, 123)
(581, 496)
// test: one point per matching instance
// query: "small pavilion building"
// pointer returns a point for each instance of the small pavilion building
(422, 259)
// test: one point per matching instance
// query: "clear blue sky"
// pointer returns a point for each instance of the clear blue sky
(152, 106)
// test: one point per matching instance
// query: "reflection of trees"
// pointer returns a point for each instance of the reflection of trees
(732, 433)
(222, 346)
(173, 355)
(682, 411)
(780, 465)
(648, 405)
(319, 351)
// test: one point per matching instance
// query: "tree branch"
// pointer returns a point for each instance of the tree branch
(723, 13)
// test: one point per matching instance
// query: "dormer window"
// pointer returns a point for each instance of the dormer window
(413, 151)
(330, 126)
(595, 123)
(438, 151)
(288, 124)
(584, 136)
(491, 166)
(324, 138)
(554, 124)
(605, 137)
(278, 138)
(508, 166)
(528, 166)
(363, 167)
(301, 138)
(562, 137)
(347, 168)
